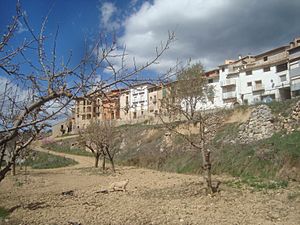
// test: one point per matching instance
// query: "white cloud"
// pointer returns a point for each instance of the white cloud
(209, 31)
(107, 12)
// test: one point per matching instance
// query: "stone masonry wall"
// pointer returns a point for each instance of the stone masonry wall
(259, 126)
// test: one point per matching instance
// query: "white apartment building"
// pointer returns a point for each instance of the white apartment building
(294, 67)
(266, 79)
(230, 80)
(134, 102)
(272, 75)
(213, 78)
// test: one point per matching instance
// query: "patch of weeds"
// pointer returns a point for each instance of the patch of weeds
(227, 132)
(257, 184)
(282, 107)
(3, 213)
(18, 183)
(66, 149)
(42, 160)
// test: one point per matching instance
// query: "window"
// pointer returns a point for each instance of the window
(266, 58)
(249, 84)
(83, 117)
(89, 116)
(249, 72)
(281, 67)
(210, 81)
(223, 69)
(83, 109)
(258, 82)
(267, 69)
(283, 78)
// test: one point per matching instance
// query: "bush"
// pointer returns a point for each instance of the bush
(3, 213)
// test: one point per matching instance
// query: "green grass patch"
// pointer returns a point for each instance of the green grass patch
(282, 107)
(260, 159)
(227, 131)
(42, 160)
(183, 163)
(257, 184)
(3, 213)
(66, 149)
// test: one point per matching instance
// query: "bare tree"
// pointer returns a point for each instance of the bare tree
(187, 101)
(98, 138)
(30, 99)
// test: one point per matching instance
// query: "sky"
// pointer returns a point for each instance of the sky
(206, 31)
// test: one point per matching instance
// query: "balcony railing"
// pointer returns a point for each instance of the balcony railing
(295, 86)
(228, 82)
(283, 84)
(258, 87)
(295, 72)
(295, 55)
(229, 95)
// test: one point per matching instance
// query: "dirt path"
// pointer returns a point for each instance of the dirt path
(152, 198)
(83, 161)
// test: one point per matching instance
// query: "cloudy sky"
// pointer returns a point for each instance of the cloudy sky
(207, 31)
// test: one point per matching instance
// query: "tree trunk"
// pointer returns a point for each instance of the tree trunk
(3, 148)
(205, 158)
(111, 159)
(207, 169)
(103, 163)
(14, 168)
(4, 171)
(97, 156)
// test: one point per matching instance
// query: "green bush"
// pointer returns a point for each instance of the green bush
(3, 213)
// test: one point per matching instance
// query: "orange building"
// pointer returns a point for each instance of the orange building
(111, 105)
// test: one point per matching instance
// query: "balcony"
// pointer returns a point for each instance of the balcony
(258, 87)
(294, 55)
(228, 82)
(283, 84)
(233, 71)
(295, 86)
(295, 73)
(229, 95)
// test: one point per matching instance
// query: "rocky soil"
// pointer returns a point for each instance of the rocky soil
(69, 196)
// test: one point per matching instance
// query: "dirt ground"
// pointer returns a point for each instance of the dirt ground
(152, 197)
